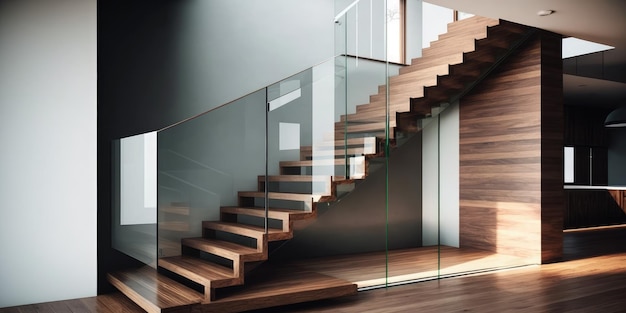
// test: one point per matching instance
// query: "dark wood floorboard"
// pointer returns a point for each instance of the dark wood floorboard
(592, 278)
(109, 303)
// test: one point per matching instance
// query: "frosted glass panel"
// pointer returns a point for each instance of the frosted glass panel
(134, 212)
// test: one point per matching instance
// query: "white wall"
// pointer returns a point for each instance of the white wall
(48, 159)
(449, 155)
(413, 30)
(440, 189)
(435, 22)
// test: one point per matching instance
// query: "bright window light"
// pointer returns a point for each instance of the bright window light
(574, 47)
(569, 164)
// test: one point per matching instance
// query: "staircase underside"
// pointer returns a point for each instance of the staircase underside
(270, 287)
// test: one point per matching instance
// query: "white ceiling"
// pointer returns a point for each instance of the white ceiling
(602, 21)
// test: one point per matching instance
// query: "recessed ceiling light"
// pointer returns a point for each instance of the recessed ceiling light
(545, 12)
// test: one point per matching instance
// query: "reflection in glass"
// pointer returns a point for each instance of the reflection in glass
(134, 202)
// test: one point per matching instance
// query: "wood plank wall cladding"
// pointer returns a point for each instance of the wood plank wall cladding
(552, 136)
(511, 156)
(589, 207)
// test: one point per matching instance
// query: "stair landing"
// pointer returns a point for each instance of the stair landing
(268, 286)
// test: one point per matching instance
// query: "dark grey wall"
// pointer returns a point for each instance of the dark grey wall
(605, 65)
(617, 156)
(356, 223)
(164, 61)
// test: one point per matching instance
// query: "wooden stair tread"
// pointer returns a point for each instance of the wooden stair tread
(275, 213)
(368, 127)
(349, 142)
(275, 285)
(178, 210)
(200, 271)
(338, 152)
(305, 178)
(257, 232)
(226, 249)
(379, 134)
(298, 178)
(281, 196)
(152, 291)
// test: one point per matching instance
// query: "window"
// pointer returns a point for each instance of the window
(568, 161)
(587, 166)
(395, 30)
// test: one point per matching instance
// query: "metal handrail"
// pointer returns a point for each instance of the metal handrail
(344, 11)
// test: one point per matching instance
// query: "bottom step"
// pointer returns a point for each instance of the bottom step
(269, 285)
(154, 292)
(274, 285)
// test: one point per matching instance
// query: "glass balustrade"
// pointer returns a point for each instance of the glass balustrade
(336, 164)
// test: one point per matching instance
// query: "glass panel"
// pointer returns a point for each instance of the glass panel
(203, 165)
(319, 148)
(568, 161)
(134, 197)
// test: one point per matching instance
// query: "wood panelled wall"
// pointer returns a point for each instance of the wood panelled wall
(511, 156)
(588, 208)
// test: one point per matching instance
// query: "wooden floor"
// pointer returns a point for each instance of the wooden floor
(592, 278)
(367, 270)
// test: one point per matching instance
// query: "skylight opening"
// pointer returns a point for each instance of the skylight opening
(573, 47)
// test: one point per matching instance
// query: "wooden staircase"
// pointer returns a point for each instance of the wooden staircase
(238, 241)
(450, 67)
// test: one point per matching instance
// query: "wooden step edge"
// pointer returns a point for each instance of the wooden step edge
(370, 127)
(251, 231)
(281, 195)
(133, 295)
(304, 178)
(177, 210)
(380, 135)
(224, 249)
(274, 213)
(164, 293)
(337, 153)
(195, 273)
(349, 142)
(295, 178)
(328, 181)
